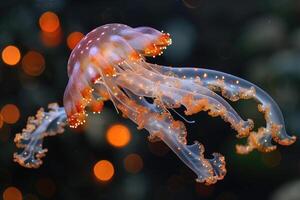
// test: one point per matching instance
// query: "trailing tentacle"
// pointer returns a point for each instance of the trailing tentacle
(182, 93)
(161, 125)
(234, 88)
(31, 139)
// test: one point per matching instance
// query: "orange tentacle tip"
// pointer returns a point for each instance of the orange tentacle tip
(87, 92)
(97, 106)
(153, 50)
(165, 39)
(80, 105)
(108, 70)
(135, 56)
(76, 119)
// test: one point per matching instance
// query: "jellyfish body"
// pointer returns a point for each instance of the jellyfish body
(109, 64)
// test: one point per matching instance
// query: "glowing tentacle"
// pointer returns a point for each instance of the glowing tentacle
(192, 85)
(235, 88)
(31, 139)
(172, 132)
(163, 126)
(194, 97)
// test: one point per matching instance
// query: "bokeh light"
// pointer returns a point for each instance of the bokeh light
(287, 191)
(133, 163)
(135, 187)
(73, 39)
(11, 55)
(271, 159)
(5, 138)
(51, 39)
(46, 187)
(33, 63)
(118, 135)
(12, 193)
(104, 170)
(184, 34)
(49, 22)
(1, 120)
(10, 113)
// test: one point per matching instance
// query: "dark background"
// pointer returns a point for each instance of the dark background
(256, 40)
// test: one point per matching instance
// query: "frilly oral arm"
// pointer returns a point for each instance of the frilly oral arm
(31, 139)
(173, 133)
(234, 89)
(161, 125)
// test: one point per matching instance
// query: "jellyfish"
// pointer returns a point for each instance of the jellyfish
(109, 63)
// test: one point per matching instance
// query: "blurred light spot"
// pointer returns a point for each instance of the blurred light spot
(204, 190)
(49, 22)
(133, 163)
(192, 3)
(51, 39)
(96, 135)
(46, 187)
(1, 120)
(264, 33)
(12, 193)
(73, 39)
(4, 134)
(33, 63)
(135, 187)
(104, 170)
(158, 148)
(11, 55)
(118, 135)
(10, 113)
(271, 159)
(95, 132)
(288, 191)
(285, 62)
(183, 35)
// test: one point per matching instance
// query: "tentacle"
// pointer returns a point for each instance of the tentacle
(31, 139)
(176, 92)
(242, 127)
(173, 133)
(234, 88)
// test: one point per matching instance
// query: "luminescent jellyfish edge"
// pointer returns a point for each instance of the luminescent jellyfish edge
(109, 64)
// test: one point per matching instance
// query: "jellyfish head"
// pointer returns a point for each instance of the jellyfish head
(102, 55)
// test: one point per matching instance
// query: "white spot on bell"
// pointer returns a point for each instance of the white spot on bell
(93, 51)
